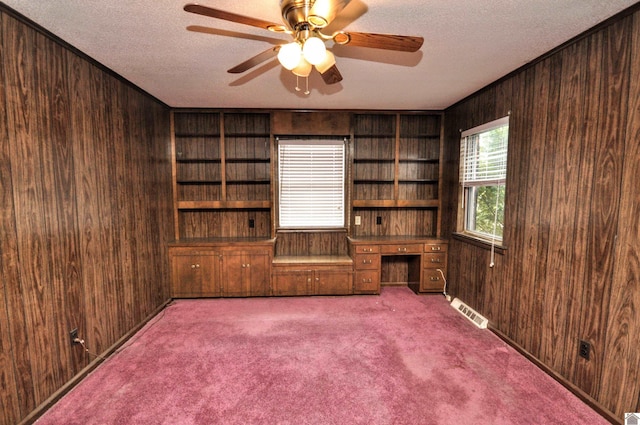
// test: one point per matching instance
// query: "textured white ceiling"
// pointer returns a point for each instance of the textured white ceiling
(182, 58)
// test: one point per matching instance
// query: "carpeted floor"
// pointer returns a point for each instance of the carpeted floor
(397, 358)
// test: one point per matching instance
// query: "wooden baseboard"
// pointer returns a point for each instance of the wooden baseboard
(55, 397)
(590, 401)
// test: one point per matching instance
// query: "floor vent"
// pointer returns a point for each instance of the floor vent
(471, 314)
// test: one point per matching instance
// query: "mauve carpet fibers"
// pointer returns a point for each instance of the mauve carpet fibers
(397, 358)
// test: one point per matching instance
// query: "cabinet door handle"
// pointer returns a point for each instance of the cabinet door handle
(195, 266)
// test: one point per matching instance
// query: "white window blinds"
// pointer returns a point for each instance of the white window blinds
(311, 183)
(484, 154)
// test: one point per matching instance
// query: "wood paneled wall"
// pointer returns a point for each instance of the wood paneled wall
(85, 212)
(571, 270)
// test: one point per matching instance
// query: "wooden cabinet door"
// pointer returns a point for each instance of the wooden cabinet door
(195, 275)
(234, 282)
(292, 282)
(333, 281)
(258, 273)
(246, 274)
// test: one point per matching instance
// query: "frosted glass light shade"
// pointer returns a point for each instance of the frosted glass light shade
(328, 62)
(303, 69)
(290, 55)
(314, 50)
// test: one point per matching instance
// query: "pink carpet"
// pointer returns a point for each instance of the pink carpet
(397, 358)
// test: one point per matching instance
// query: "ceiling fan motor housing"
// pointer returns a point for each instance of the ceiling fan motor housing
(295, 12)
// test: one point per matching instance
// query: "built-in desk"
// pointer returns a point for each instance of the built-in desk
(426, 261)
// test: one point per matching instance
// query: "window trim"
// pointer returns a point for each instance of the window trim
(489, 240)
(312, 140)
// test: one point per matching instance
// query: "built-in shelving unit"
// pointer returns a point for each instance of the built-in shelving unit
(222, 174)
(396, 173)
(226, 241)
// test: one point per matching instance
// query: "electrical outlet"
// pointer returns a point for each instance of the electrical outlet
(584, 349)
(74, 335)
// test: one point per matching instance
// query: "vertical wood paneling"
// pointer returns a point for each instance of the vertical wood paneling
(571, 267)
(515, 204)
(621, 379)
(562, 214)
(25, 116)
(13, 371)
(592, 296)
(85, 213)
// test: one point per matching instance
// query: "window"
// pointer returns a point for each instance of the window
(311, 177)
(483, 172)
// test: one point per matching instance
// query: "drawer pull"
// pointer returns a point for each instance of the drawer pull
(402, 249)
(434, 278)
(367, 249)
(436, 248)
(436, 260)
(195, 266)
(366, 280)
(367, 261)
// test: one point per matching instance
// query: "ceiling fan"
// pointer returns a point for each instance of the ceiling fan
(304, 20)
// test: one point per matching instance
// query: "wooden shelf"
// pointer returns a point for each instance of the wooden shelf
(419, 160)
(250, 182)
(198, 182)
(373, 181)
(197, 160)
(248, 160)
(196, 135)
(392, 203)
(208, 205)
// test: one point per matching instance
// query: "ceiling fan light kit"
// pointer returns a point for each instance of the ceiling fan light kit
(303, 20)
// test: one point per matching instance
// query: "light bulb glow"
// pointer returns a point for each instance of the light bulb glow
(314, 50)
(303, 69)
(290, 55)
(328, 62)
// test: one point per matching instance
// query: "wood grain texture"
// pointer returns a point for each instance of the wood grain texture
(85, 214)
(621, 384)
(15, 370)
(571, 267)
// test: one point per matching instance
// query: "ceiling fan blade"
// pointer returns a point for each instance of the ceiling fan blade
(332, 75)
(402, 43)
(271, 52)
(228, 16)
(324, 11)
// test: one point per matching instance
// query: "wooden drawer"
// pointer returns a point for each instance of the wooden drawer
(435, 247)
(367, 262)
(401, 249)
(366, 282)
(432, 281)
(435, 260)
(366, 249)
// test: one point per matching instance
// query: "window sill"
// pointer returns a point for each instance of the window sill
(311, 229)
(499, 249)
